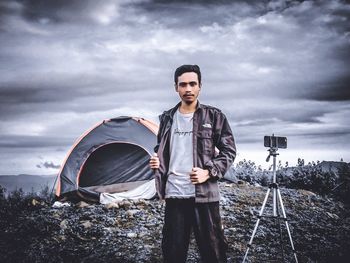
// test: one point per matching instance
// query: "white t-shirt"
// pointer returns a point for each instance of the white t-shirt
(181, 157)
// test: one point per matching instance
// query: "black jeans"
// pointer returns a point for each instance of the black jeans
(183, 215)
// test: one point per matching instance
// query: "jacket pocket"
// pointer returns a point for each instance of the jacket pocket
(205, 143)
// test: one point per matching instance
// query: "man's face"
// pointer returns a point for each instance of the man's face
(188, 87)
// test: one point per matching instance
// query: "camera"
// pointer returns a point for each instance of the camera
(275, 142)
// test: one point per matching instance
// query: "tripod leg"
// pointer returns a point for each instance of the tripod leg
(256, 224)
(287, 226)
(278, 218)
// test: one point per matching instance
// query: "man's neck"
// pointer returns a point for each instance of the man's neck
(188, 108)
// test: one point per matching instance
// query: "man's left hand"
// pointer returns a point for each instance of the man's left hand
(198, 175)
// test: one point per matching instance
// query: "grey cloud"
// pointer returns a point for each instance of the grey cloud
(183, 16)
(23, 141)
(64, 10)
(269, 65)
(17, 101)
(336, 90)
(278, 111)
(329, 133)
(93, 12)
(48, 165)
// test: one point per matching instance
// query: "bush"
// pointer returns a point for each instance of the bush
(308, 177)
(17, 200)
(249, 172)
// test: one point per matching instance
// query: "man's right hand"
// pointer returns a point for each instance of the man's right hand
(154, 162)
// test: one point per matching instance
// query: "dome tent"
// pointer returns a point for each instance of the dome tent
(112, 157)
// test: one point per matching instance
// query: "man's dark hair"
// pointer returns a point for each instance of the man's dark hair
(187, 68)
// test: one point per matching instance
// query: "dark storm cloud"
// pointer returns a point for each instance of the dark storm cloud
(271, 66)
(18, 98)
(59, 11)
(17, 94)
(65, 89)
(336, 90)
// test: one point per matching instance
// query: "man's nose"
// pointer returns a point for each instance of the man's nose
(188, 87)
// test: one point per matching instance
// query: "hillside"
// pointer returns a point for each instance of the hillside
(33, 231)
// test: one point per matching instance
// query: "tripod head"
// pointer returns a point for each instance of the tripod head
(274, 142)
(272, 152)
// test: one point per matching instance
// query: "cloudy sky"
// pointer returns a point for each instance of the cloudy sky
(278, 67)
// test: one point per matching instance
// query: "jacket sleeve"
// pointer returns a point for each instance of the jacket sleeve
(159, 133)
(158, 180)
(224, 141)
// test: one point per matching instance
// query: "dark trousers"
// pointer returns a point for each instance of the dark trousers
(183, 215)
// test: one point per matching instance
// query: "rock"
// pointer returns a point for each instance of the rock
(57, 215)
(240, 182)
(334, 216)
(131, 235)
(35, 202)
(112, 205)
(143, 234)
(82, 238)
(112, 229)
(58, 204)
(82, 204)
(131, 213)
(86, 224)
(64, 224)
(227, 208)
(125, 204)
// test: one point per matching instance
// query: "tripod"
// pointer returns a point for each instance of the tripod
(276, 198)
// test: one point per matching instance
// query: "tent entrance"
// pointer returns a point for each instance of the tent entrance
(116, 166)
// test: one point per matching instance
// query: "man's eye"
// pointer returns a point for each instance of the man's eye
(182, 84)
(193, 83)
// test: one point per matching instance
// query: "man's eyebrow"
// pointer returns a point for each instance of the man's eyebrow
(190, 82)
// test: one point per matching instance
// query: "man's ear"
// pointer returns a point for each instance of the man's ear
(176, 88)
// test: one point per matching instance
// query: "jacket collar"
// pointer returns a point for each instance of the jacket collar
(172, 111)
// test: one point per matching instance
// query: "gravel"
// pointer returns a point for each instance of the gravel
(131, 231)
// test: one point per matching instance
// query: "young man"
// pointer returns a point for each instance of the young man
(187, 169)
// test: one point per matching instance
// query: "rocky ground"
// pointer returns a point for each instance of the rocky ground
(131, 230)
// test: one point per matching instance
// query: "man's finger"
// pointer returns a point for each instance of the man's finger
(192, 173)
(194, 178)
(194, 181)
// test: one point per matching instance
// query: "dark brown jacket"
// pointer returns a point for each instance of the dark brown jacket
(210, 129)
